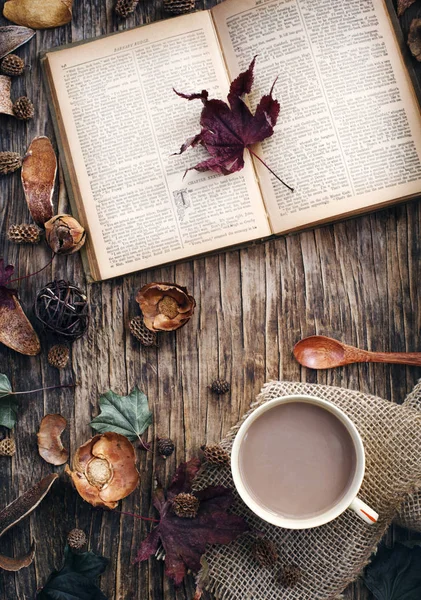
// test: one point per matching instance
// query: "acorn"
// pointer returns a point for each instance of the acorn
(12, 65)
(9, 162)
(58, 356)
(185, 505)
(289, 576)
(220, 387)
(264, 552)
(23, 109)
(216, 455)
(77, 540)
(165, 447)
(7, 447)
(139, 330)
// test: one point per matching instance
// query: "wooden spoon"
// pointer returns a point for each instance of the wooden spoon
(320, 352)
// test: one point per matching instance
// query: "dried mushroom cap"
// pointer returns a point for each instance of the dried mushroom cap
(165, 306)
(38, 175)
(16, 331)
(6, 104)
(64, 234)
(39, 14)
(414, 38)
(50, 446)
(104, 470)
(11, 37)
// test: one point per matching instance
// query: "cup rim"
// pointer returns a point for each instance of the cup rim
(307, 522)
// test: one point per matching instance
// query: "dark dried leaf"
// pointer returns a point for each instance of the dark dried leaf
(6, 293)
(185, 540)
(11, 37)
(395, 574)
(414, 38)
(403, 5)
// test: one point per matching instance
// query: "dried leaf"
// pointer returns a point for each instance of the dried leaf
(16, 564)
(6, 293)
(395, 574)
(403, 5)
(6, 104)
(8, 403)
(185, 540)
(38, 14)
(38, 175)
(414, 38)
(11, 37)
(50, 447)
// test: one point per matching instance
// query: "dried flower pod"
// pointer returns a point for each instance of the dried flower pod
(165, 306)
(139, 330)
(39, 14)
(58, 356)
(6, 105)
(50, 447)
(414, 38)
(16, 331)
(25, 233)
(11, 37)
(7, 447)
(185, 505)
(38, 175)
(179, 7)
(12, 65)
(124, 8)
(216, 455)
(64, 234)
(104, 470)
(9, 162)
(77, 539)
(265, 552)
(23, 109)
(289, 576)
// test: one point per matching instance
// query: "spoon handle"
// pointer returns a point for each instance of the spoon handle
(398, 358)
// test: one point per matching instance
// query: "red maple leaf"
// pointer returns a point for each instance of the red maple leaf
(184, 540)
(228, 129)
(6, 293)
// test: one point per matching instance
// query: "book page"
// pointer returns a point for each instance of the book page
(123, 122)
(349, 131)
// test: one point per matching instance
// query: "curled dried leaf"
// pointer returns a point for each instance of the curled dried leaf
(39, 14)
(11, 37)
(16, 331)
(6, 104)
(50, 446)
(16, 564)
(414, 39)
(38, 175)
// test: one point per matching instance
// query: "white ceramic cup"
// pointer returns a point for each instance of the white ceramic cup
(349, 500)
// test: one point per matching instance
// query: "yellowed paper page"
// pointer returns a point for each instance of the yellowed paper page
(349, 131)
(123, 122)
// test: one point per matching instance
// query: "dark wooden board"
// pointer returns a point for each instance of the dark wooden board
(357, 280)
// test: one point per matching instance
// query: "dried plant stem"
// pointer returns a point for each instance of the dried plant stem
(122, 512)
(52, 387)
(32, 274)
(269, 169)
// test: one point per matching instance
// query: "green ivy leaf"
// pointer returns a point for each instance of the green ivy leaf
(8, 412)
(5, 387)
(127, 415)
(395, 574)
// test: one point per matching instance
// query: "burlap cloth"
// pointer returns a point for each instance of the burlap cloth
(331, 556)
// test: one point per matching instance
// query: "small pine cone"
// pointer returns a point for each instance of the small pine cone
(9, 162)
(58, 356)
(139, 330)
(220, 386)
(77, 539)
(216, 455)
(7, 447)
(289, 576)
(12, 65)
(23, 109)
(124, 8)
(185, 505)
(265, 552)
(24, 234)
(178, 7)
(165, 447)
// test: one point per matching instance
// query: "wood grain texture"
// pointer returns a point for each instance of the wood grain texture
(357, 281)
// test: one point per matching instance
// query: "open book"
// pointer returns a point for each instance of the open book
(348, 137)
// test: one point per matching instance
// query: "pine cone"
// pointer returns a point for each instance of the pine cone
(124, 8)
(289, 576)
(12, 65)
(265, 552)
(77, 539)
(9, 162)
(58, 356)
(7, 447)
(23, 109)
(220, 386)
(216, 455)
(165, 447)
(24, 234)
(185, 505)
(178, 7)
(139, 330)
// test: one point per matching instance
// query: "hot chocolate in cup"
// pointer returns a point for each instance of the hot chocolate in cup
(298, 462)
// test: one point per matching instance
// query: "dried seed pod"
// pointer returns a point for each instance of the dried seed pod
(64, 234)
(9, 162)
(12, 65)
(414, 38)
(50, 447)
(16, 331)
(289, 576)
(264, 552)
(77, 539)
(7, 447)
(165, 306)
(178, 7)
(185, 505)
(124, 8)
(24, 233)
(6, 105)
(58, 356)
(139, 330)
(11, 37)
(39, 14)
(220, 387)
(104, 470)
(38, 175)
(23, 109)
(165, 447)
(216, 455)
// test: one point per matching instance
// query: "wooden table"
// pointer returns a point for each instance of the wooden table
(357, 281)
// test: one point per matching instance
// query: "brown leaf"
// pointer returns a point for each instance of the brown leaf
(16, 564)
(38, 14)
(414, 39)
(16, 331)
(38, 174)
(6, 104)
(50, 447)
(403, 5)
(11, 37)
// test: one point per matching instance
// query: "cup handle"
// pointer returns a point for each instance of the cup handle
(365, 512)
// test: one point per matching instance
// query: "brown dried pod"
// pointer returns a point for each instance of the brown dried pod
(6, 104)
(165, 306)
(11, 37)
(16, 331)
(50, 446)
(23, 109)
(124, 8)
(64, 234)
(414, 38)
(39, 14)
(24, 233)
(7, 447)
(12, 65)
(38, 175)
(18, 510)
(9, 162)
(104, 470)
(178, 7)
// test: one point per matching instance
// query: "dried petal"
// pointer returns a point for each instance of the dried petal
(16, 331)
(16, 564)
(165, 306)
(38, 174)
(38, 14)
(414, 38)
(64, 234)
(11, 37)
(50, 447)
(6, 104)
